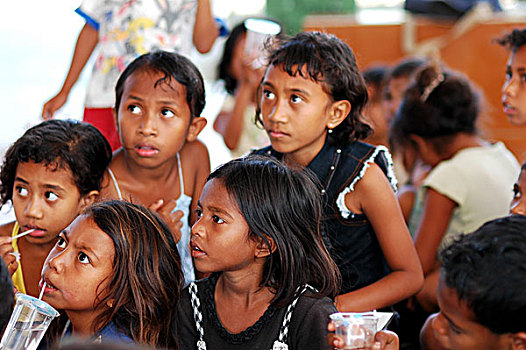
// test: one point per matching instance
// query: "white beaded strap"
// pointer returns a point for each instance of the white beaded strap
(340, 201)
(198, 317)
(280, 344)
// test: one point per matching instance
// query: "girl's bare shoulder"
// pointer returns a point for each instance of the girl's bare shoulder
(195, 154)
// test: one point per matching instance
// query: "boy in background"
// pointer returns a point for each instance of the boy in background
(481, 290)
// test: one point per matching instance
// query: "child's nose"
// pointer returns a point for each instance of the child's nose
(56, 261)
(34, 209)
(148, 125)
(278, 113)
(508, 88)
(519, 207)
(197, 229)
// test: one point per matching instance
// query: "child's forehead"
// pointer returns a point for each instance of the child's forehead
(153, 79)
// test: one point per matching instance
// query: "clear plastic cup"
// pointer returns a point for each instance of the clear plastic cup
(356, 330)
(258, 30)
(28, 323)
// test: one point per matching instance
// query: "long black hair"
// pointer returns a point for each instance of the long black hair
(285, 206)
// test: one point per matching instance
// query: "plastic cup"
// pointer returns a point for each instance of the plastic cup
(356, 330)
(28, 323)
(258, 31)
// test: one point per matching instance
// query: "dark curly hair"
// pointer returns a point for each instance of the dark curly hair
(437, 106)
(474, 266)
(329, 61)
(59, 144)
(173, 66)
(513, 40)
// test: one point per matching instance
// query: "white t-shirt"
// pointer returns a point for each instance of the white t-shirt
(480, 180)
(130, 28)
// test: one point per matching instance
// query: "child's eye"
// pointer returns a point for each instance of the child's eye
(167, 113)
(61, 243)
(523, 78)
(516, 191)
(22, 191)
(268, 95)
(295, 99)
(134, 109)
(83, 258)
(217, 219)
(199, 213)
(50, 196)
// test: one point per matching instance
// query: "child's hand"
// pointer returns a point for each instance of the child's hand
(383, 340)
(7, 253)
(171, 218)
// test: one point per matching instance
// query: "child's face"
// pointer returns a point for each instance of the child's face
(457, 328)
(518, 204)
(78, 269)
(45, 199)
(393, 95)
(220, 240)
(154, 122)
(514, 88)
(296, 113)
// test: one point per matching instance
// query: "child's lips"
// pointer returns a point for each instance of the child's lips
(507, 108)
(50, 288)
(196, 251)
(38, 232)
(277, 134)
(146, 150)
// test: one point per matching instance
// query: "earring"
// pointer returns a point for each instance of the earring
(329, 131)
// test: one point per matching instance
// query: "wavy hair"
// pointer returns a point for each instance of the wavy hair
(59, 144)
(326, 60)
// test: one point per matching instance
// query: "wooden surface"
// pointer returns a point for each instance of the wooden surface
(472, 53)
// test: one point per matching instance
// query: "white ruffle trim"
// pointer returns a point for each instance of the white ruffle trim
(340, 201)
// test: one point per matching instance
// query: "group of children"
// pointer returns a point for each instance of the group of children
(283, 237)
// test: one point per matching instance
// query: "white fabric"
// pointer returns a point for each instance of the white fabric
(340, 201)
(480, 180)
(131, 28)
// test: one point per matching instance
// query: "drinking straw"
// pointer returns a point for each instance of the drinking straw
(23, 233)
(32, 316)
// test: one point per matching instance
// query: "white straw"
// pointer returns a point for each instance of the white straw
(23, 234)
(42, 291)
(32, 317)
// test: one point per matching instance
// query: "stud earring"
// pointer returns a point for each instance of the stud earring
(330, 131)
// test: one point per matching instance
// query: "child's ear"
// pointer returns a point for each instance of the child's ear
(338, 112)
(420, 142)
(88, 199)
(115, 119)
(518, 341)
(262, 248)
(197, 124)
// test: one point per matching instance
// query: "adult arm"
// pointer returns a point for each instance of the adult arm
(86, 42)
(374, 195)
(205, 28)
